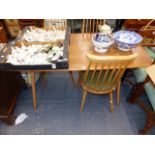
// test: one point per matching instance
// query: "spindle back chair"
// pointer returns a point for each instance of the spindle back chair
(103, 75)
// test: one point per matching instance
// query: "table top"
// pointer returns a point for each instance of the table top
(151, 72)
(80, 44)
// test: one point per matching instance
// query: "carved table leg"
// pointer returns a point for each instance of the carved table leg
(149, 124)
(150, 120)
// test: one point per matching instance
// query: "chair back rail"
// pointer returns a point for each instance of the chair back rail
(105, 71)
(48, 23)
(91, 25)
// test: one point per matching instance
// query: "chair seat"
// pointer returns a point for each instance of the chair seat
(150, 91)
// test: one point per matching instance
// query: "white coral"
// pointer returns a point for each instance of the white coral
(42, 35)
(33, 54)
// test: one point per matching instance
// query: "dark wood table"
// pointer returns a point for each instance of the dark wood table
(11, 84)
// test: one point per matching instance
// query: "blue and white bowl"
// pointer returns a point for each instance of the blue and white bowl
(127, 40)
(102, 42)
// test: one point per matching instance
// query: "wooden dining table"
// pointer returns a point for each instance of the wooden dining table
(79, 45)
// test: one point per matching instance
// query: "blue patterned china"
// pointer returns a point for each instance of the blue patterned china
(102, 42)
(127, 40)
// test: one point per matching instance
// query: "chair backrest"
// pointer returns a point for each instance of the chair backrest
(91, 25)
(49, 23)
(105, 71)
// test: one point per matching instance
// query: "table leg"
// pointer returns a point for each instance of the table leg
(33, 90)
(72, 78)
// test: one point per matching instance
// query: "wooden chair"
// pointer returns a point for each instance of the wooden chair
(91, 25)
(103, 75)
(88, 26)
(48, 23)
(57, 23)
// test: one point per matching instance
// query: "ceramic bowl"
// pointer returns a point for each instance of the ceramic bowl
(102, 42)
(127, 40)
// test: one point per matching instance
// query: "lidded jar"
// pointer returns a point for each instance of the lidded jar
(105, 29)
(103, 40)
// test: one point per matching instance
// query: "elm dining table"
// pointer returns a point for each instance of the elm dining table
(79, 45)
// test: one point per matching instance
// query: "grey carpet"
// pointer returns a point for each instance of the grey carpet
(58, 111)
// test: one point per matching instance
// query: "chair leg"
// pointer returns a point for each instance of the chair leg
(72, 78)
(118, 91)
(111, 102)
(83, 100)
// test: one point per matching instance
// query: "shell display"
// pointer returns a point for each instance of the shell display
(42, 35)
(35, 54)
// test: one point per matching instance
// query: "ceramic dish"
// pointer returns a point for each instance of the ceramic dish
(127, 40)
(102, 42)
